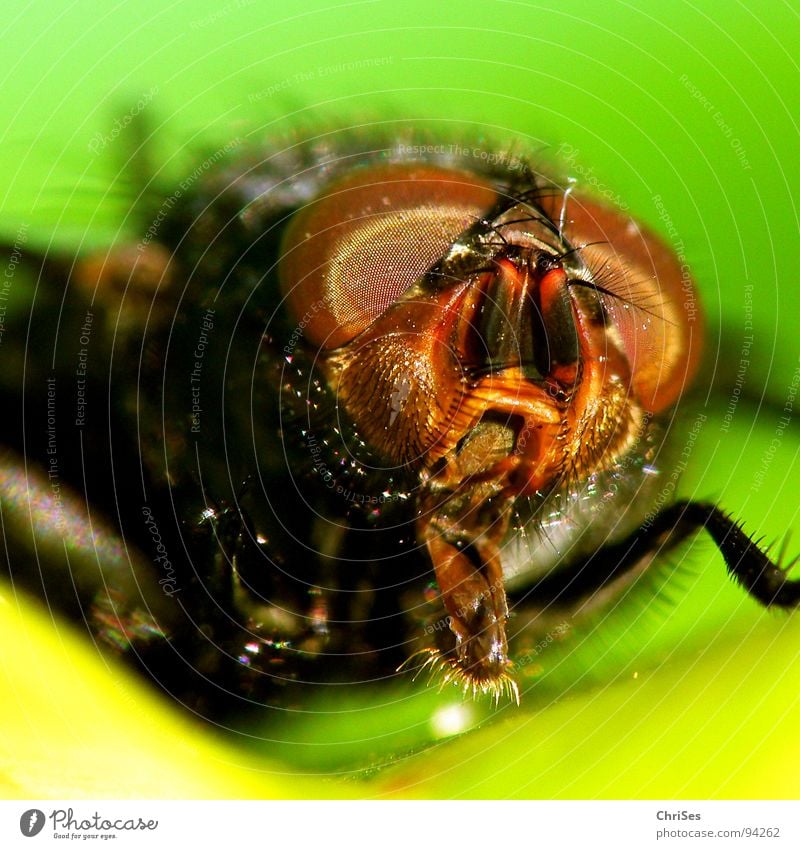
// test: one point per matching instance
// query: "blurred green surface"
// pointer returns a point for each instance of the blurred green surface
(686, 689)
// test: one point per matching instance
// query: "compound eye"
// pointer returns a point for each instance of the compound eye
(354, 251)
(647, 294)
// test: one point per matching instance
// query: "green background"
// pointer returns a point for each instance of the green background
(686, 689)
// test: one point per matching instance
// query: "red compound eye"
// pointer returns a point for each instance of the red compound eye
(351, 253)
(647, 294)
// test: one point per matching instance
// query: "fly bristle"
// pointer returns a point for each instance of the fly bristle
(449, 671)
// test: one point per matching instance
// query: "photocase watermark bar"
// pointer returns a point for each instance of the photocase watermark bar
(621, 824)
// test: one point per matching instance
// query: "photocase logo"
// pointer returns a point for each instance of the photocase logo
(67, 825)
(31, 822)
(402, 389)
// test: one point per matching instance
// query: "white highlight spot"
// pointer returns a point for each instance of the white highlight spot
(450, 720)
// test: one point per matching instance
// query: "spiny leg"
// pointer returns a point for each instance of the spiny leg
(747, 563)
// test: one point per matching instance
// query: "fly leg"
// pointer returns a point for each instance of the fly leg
(748, 564)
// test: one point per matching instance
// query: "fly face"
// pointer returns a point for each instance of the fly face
(355, 376)
(510, 345)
